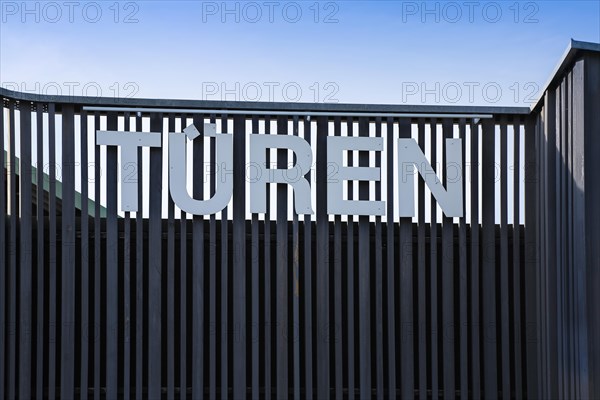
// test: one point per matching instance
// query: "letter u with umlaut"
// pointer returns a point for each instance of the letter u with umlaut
(178, 171)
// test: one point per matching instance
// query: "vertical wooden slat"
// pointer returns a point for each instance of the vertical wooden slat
(379, 279)
(531, 180)
(295, 325)
(112, 262)
(557, 276)
(225, 273)
(553, 281)
(583, 91)
(86, 332)
(199, 154)
(307, 292)
(421, 272)
(364, 278)
(126, 323)
(550, 272)
(52, 317)
(213, 325)
(569, 125)
(572, 97)
(41, 259)
(462, 273)
(391, 261)
(490, 366)
(586, 281)
(569, 295)
(322, 267)
(447, 330)
(139, 272)
(542, 252)
(170, 284)
(256, 321)
(517, 306)
(282, 272)
(575, 291)
(3, 212)
(25, 247)
(154, 265)
(504, 288)
(268, 316)
(554, 267)
(553, 294)
(239, 257)
(540, 283)
(538, 228)
(12, 254)
(584, 120)
(351, 273)
(198, 257)
(255, 272)
(569, 99)
(475, 323)
(547, 281)
(566, 113)
(97, 258)
(337, 284)
(183, 294)
(545, 259)
(407, 373)
(67, 346)
(433, 274)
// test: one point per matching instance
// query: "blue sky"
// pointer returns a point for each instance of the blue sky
(470, 53)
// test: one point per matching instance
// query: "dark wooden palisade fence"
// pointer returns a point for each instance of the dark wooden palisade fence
(95, 303)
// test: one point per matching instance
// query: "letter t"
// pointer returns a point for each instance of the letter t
(129, 142)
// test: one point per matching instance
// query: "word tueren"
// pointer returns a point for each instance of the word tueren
(410, 157)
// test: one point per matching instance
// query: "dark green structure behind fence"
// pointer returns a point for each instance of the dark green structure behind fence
(158, 304)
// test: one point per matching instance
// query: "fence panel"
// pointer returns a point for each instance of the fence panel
(159, 303)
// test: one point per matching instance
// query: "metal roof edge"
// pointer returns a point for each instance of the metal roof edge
(574, 48)
(261, 106)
